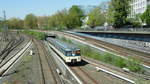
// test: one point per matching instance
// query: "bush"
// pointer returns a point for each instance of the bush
(137, 24)
(37, 35)
(133, 65)
(120, 62)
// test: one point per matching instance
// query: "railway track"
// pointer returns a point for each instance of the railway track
(143, 57)
(89, 75)
(43, 81)
(10, 47)
(48, 66)
(122, 51)
(10, 61)
(11, 44)
(7, 46)
(83, 75)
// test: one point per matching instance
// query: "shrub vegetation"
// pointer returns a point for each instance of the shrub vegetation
(37, 35)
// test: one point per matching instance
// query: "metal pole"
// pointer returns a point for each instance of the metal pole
(4, 20)
(4, 15)
(5, 27)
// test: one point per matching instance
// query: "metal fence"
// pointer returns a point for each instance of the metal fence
(116, 30)
(135, 45)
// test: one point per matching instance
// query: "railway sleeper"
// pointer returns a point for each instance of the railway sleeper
(2, 72)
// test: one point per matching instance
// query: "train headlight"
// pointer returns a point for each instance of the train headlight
(79, 58)
(68, 58)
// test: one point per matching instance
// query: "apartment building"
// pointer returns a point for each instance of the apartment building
(138, 6)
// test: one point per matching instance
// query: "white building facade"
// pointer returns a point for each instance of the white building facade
(138, 6)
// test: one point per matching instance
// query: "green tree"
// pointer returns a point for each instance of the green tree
(74, 16)
(110, 14)
(51, 22)
(96, 17)
(1, 24)
(30, 21)
(137, 22)
(66, 19)
(120, 10)
(146, 16)
(42, 22)
(15, 23)
(59, 20)
(62, 19)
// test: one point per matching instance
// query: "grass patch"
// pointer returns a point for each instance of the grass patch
(37, 35)
(142, 81)
(23, 72)
(132, 64)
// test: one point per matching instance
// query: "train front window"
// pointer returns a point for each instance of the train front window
(78, 53)
(73, 53)
(69, 53)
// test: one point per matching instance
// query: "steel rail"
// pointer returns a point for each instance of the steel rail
(51, 63)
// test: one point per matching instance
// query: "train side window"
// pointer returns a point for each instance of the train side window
(60, 49)
(63, 50)
(65, 53)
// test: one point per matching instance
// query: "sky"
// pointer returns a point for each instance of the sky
(20, 8)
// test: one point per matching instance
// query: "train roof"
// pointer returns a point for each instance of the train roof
(64, 45)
